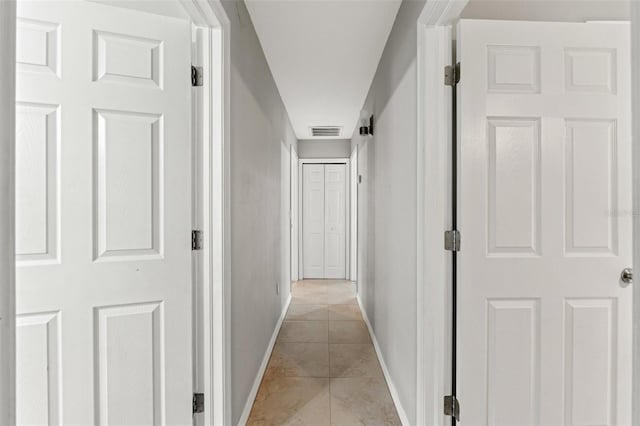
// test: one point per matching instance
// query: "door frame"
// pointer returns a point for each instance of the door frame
(353, 222)
(294, 215)
(215, 56)
(301, 162)
(434, 275)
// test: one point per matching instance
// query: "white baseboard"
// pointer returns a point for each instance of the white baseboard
(263, 367)
(392, 389)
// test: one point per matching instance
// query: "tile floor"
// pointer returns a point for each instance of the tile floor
(323, 369)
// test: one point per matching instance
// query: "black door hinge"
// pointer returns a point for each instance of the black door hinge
(451, 407)
(196, 76)
(452, 74)
(196, 240)
(198, 403)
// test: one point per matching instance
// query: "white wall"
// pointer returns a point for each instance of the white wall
(387, 207)
(324, 148)
(7, 207)
(260, 131)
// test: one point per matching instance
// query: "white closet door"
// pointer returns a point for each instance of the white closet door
(103, 217)
(544, 321)
(335, 217)
(313, 222)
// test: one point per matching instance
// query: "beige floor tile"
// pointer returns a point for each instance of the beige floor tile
(348, 332)
(362, 401)
(354, 360)
(341, 285)
(304, 331)
(342, 297)
(291, 401)
(304, 312)
(318, 285)
(345, 313)
(308, 296)
(299, 360)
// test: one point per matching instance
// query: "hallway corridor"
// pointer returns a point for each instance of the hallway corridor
(323, 369)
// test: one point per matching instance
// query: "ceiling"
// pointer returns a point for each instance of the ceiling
(323, 55)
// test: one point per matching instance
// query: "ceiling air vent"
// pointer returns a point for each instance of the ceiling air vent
(326, 131)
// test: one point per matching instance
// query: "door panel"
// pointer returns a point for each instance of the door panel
(313, 223)
(544, 201)
(335, 221)
(104, 216)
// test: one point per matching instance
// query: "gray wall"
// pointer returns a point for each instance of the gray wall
(324, 148)
(260, 132)
(387, 206)
(545, 10)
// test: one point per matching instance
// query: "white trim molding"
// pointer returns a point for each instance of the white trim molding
(7, 213)
(434, 273)
(392, 388)
(244, 417)
(214, 55)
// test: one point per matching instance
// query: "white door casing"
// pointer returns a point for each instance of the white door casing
(544, 324)
(294, 216)
(313, 221)
(335, 235)
(353, 213)
(103, 238)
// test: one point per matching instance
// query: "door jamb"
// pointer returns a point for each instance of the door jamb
(214, 52)
(433, 209)
(346, 162)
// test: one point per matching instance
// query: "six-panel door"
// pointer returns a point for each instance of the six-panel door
(544, 204)
(103, 216)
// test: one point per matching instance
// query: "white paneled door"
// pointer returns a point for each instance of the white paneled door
(103, 217)
(544, 321)
(324, 218)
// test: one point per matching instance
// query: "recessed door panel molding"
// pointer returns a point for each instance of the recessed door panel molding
(123, 58)
(513, 361)
(38, 369)
(38, 47)
(37, 177)
(591, 188)
(129, 170)
(514, 186)
(324, 219)
(130, 360)
(104, 218)
(543, 208)
(590, 365)
(514, 69)
(591, 70)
